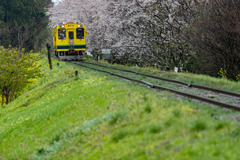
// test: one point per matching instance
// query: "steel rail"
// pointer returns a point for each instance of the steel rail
(235, 94)
(203, 99)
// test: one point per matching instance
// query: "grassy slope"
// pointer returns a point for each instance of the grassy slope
(99, 117)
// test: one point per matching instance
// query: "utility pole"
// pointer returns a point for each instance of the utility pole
(49, 57)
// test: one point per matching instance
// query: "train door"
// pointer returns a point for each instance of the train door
(71, 35)
(71, 42)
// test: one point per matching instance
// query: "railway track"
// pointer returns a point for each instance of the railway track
(172, 80)
(159, 87)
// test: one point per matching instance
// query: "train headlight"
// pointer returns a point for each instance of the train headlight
(71, 42)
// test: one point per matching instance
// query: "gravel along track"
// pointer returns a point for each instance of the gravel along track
(230, 100)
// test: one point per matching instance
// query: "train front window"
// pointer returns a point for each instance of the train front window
(71, 35)
(80, 33)
(61, 33)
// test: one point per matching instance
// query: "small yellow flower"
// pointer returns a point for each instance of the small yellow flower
(222, 73)
(238, 77)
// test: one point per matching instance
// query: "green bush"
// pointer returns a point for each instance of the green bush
(198, 125)
(17, 71)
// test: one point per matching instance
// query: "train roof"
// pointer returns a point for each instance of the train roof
(63, 23)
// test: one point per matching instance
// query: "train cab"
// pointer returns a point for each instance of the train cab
(69, 41)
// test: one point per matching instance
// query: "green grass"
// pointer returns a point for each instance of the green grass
(95, 116)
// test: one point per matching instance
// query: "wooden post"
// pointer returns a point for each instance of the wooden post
(49, 57)
(76, 73)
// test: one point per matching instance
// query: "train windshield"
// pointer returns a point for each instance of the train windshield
(61, 33)
(71, 35)
(80, 33)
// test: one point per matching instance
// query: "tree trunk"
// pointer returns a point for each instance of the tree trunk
(7, 98)
(7, 95)
(2, 97)
(11, 95)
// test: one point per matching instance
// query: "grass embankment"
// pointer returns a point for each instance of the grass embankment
(95, 116)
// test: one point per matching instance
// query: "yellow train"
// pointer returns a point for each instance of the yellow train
(69, 41)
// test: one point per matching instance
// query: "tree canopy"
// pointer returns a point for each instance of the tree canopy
(197, 35)
(23, 23)
(140, 32)
(17, 71)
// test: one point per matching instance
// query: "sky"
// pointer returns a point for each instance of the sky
(56, 1)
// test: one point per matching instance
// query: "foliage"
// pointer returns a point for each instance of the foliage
(222, 73)
(198, 125)
(23, 23)
(17, 71)
(238, 77)
(215, 36)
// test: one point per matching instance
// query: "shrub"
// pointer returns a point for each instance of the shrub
(17, 71)
(198, 125)
(119, 135)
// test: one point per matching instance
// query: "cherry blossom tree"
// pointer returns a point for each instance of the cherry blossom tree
(142, 32)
